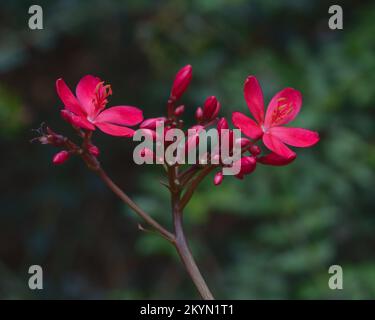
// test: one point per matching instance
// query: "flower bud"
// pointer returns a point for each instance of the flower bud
(199, 114)
(211, 108)
(248, 165)
(94, 150)
(255, 150)
(181, 82)
(216, 112)
(179, 110)
(218, 179)
(60, 157)
(222, 124)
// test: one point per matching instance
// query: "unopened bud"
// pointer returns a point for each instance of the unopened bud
(211, 108)
(60, 157)
(94, 150)
(199, 114)
(255, 150)
(181, 82)
(218, 179)
(222, 124)
(247, 166)
(179, 110)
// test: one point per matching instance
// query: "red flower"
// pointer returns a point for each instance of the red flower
(282, 109)
(86, 109)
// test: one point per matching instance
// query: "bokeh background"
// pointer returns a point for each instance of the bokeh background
(273, 235)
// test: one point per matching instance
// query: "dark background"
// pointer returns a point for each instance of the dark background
(273, 235)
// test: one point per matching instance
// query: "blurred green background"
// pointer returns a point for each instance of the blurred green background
(273, 235)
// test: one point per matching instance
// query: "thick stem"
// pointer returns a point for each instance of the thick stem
(180, 239)
(187, 258)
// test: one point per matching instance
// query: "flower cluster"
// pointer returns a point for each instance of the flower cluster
(265, 142)
(266, 136)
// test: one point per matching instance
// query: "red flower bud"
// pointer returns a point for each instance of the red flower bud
(218, 179)
(199, 114)
(255, 150)
(179, 110)
(94, 150)
(248, 165)
(222, 124)
(210, 108)
(181, 82)
(60, 157)
(216, 112)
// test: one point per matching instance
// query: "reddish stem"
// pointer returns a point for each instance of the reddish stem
(181, 243)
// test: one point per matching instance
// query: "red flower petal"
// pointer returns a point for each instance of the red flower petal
(69, 100)
(115, 130)
(276, 145)
(283, 107)
(274, 159)
(85, 92)
(121, 115)
(296, 137)
(254, 98)
(248, 126)
(151, 123)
